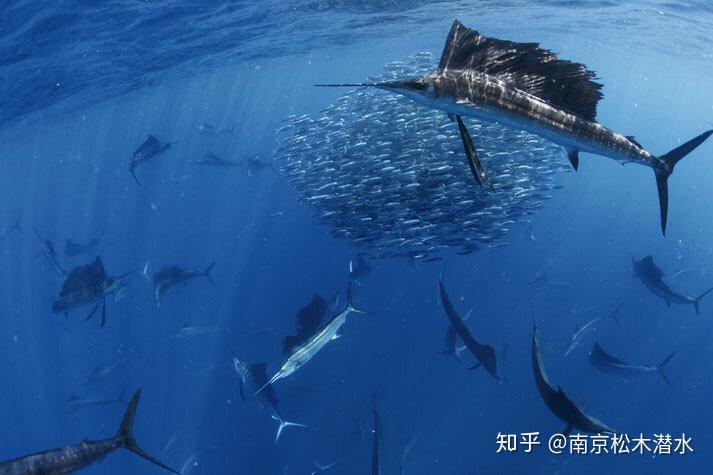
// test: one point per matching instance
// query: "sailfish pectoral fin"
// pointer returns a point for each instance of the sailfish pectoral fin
(103, 313)
(573, 156)
(475, 166)
(91, 314)
(242, 390)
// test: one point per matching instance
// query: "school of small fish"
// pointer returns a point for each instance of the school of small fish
(389, 175)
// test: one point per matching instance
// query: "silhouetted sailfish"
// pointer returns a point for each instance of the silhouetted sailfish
(212, 160)
(149, 149)
(485, 354)
(86, 284)
(652, 277)
(75, 248)
(556, 400)
(589, 326)
(171, 276)
(607, 363)
(526, 87)
(50, 255)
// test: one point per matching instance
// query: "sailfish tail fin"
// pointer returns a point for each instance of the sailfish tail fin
(283, 424)
(664, 170)
(663, 365)
(125, 435)
(132, 169)
(350, 304)
(698, 300)
(206, 272)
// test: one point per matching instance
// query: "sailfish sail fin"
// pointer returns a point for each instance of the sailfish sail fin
(564, 84)
(309, 318)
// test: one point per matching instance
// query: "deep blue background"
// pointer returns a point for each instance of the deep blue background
(64, 169)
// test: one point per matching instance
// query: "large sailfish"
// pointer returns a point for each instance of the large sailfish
(72, 458)
(526, 87)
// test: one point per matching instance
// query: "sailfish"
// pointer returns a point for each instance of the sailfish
(72, 458)
(529, 88)
(87, 284)
(485, 354)
(555, 398)
(313, 334)
(147, 150)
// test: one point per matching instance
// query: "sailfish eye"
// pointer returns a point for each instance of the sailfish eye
(418, 85)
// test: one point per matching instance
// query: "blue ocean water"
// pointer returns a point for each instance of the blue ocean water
(83, 85)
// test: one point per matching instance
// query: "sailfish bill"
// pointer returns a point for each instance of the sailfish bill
(529, 88)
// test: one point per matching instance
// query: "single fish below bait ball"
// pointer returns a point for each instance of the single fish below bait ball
(555, 398)
(301, 348)
(525, 87)
(607, 363)
(652, 277)
(383, 173)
